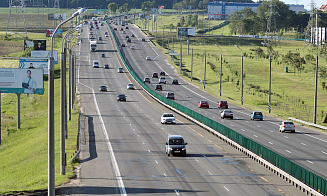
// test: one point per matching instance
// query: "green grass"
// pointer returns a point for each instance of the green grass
(292, 93)
(24, 152)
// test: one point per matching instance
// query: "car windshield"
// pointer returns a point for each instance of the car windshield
(103, 86)
(121, 96)
(168, 115)
(176, 142)
(130, 85)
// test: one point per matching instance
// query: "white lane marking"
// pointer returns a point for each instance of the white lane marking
(112, 154)
(198, 160)
(303, 144)
(226, 188)
(165, 174)
(286, 137)
(138, 135)
(310, 162)
(258, 125)
(255, 135)
(149, 151)
(209, 173)
(176, 192)
(271, 131)
(232, 125)
(156, 162)
(324, 152)
(247, 121)
(288, 151)
(270, 143)
(242, 129)
(143, 143)
(314, 137)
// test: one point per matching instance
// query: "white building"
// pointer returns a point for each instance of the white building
(220, 10)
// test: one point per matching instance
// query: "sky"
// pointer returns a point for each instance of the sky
(306, 3)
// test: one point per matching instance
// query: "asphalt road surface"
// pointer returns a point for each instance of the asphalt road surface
(123, 145)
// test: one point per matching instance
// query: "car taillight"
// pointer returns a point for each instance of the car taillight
(283, 125)
(294, 126)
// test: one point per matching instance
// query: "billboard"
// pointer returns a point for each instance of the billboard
(31, 63)
(185, 31)
(21, 81)
(40, 44)
(49, 33)
(28, 43)
(45, 54)
(57, 17)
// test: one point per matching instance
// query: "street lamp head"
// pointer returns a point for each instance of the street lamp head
(236, 45)
(79, 12)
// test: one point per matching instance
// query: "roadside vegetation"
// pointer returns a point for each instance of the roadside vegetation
(292, 92)
(24, 152)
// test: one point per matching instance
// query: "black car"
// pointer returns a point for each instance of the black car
(132, 35)
(162, 73)
(143, 39)
(106, 66)
(146, 79)
(121, 97)
(103, 88)
(158, 87)
(129, 40)
(126, 27)
(175, 81)
(103, 55)
(170, 95)
(115, 29)
(155, 75)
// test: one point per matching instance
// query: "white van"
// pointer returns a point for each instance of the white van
(95, 64)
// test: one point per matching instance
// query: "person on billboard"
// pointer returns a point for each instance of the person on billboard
(39, 46)
(29, 84)
(31, 66)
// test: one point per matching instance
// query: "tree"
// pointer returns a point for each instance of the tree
(113, 8)
(200, 5)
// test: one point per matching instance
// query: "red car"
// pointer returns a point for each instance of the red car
(203, 104)
(121, 29)
(127, 36)
(223, 104)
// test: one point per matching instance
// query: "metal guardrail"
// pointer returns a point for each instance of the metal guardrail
(308, 123)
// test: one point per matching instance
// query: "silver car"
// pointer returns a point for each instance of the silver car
(287, 126)
(226, 114)
(130, 86)
(120, 70)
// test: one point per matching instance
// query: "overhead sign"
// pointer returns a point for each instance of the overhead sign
(185, 31)
(45, 54)
(49, 33)
(31, 63)
(57, 17)
(21, 81)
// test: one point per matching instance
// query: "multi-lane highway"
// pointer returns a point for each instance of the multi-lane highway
(124, 142)
(306, 147)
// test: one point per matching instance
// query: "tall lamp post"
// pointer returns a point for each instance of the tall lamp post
(51, 124)
(269, 95)
(221, 67)
(241, 75)
(63, 103)
(205, 65)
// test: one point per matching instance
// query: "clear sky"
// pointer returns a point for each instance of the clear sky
(306, 3)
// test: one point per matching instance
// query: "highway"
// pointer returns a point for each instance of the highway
(124, 145)
(307, 147)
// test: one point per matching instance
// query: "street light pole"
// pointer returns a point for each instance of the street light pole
(221, 68)
(51, 124)
(205, 65)
(316, 77)
(269, 95)
(241, 75)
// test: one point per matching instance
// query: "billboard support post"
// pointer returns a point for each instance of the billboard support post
(18, 111)
(73, 80)
(188, 44)
(69, 83)
(0, 118)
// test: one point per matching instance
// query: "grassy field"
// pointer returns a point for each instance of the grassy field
(24, 152)
(292, 92)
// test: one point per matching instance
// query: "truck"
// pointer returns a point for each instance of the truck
(93, 46)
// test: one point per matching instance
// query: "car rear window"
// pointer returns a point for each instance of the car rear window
(289, 123)
(258, 113)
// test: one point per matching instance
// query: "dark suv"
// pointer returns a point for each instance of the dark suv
(223, 104)
(155, 75)
(175, 145)
(170, 95)
(158, 87)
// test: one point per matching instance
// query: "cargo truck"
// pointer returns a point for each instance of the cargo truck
(93, 46)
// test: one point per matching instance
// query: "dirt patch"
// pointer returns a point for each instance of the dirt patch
(8, 47)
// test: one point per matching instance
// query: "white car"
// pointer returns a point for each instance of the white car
(226, 114)
(287, 126)
(162, 80)
(106, 35)
(148, 58)
(130, 86)
(120, 70)
(168, 118)
(95, 64)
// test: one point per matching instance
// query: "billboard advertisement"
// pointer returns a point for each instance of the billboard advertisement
(185, 31)
(21, 81)
(45, 54)
(40, 44)
(57, 17)
(49, 33)
(31, 63)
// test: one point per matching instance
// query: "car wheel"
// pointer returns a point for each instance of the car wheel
(231, 118)
(261, 119)
(223, 117)
(293, 131)
(168, 154)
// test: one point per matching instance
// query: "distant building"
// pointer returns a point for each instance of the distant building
(220, 10)
(323, 8)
